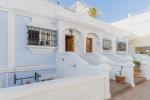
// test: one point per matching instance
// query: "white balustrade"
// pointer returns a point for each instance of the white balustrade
(73, 88)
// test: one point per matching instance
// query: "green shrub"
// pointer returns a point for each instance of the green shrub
(137, 65)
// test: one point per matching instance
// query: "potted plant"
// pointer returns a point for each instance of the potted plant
(120, 78)
(137, 70)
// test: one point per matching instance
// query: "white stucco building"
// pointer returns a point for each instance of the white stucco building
(138, 24)
(41, 41)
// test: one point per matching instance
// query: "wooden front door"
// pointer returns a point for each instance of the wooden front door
(89, 45)
(69, 43)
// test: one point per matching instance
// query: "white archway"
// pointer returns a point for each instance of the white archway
(96, 45)
(78, 39)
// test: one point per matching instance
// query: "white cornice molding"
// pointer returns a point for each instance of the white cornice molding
(4, 9)
(6, 70)
(42, 23)
(26, 68)
(3, 4)
(41, 49)
(34, 67)
(81, 23)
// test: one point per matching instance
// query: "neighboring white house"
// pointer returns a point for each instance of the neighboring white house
(138, 24)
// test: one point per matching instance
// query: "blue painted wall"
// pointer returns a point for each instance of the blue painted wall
(3, 78)
(23, 56)
(3, 39)
(49, 72)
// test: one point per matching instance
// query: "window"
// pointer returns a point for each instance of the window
(107, 44)
(42, 37)
(121, 46)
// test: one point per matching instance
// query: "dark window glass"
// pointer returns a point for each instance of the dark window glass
(33, 37)
(121, 46)
(42, 37)
(106, 44)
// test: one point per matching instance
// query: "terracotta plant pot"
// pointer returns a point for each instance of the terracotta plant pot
(137, 73)
(120, 79)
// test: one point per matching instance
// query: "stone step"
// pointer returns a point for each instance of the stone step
(139, 80)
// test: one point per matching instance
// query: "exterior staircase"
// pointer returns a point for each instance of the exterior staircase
(71, 64)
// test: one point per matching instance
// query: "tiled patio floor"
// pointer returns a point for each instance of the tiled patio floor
(116, 88)
(140, 92)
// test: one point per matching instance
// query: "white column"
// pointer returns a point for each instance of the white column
(84, 44)
(11, 39)
(101, 43)
(114, 46)
(127, 47)
(61, 41)
(61, 38)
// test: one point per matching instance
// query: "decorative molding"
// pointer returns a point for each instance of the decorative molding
(6, 70)
(34, 67)
(40, 49)
(82, 23)
(26, 68)
(121, 52)
(4, 9)
(39, 22)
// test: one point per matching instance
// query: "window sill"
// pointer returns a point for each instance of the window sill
(107, 50)
(40, 49)
(121, 52)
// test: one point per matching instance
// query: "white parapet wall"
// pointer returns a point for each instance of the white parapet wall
(71, 64)
(73, 88)
(145, 64)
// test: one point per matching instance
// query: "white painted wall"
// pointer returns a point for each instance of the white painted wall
(75, 88)
(137, 24)
(143, 41)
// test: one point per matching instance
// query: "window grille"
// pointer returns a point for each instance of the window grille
(107, 44)
(41, 36)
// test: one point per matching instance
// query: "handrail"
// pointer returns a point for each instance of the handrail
(35, 77)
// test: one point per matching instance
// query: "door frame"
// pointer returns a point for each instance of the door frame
(73, 43)
(91, 45)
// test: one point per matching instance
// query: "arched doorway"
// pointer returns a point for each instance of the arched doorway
(73, 40)
(92, 43)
